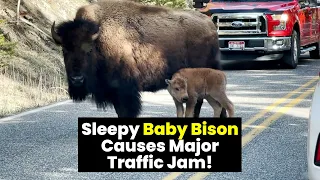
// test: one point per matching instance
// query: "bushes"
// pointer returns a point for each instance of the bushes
(28, 78)
(6, 47)
(169, 3)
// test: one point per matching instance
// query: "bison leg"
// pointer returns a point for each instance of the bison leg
(223, 113)
(197, 108)
(128, 104)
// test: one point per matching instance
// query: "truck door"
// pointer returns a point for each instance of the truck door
(305, 16)
(314, 21)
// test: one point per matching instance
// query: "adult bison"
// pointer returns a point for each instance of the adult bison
(113, 50)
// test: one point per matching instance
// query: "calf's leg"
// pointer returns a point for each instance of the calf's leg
(190, 106)
(226, 103)
(216, 106)
(215, 63)
(179, 107)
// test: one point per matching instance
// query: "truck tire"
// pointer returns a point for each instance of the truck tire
(290, 58)
(315, 54)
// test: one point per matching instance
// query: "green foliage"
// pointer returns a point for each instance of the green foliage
(179, 4)
(6, 47)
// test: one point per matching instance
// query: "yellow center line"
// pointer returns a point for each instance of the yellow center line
(266, 123)
(199, 175)
(255, 132)
(275, 104)
(172, 176)
(202, 175)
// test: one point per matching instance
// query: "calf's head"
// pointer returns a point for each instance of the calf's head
(77, 40)
(177, 88)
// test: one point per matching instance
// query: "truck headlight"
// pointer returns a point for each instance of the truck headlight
(283, 18)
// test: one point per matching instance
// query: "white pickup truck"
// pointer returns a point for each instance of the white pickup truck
(314, 136)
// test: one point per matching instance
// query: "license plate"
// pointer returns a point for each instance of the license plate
(236, 45)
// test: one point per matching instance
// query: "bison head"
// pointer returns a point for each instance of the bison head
(77, 40)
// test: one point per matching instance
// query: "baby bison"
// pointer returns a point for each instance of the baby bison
(190, 84)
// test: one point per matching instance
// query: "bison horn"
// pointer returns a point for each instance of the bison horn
(54, 35)
(95, 36)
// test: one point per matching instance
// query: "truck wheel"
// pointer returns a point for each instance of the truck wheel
(315, 54)
(291, 58)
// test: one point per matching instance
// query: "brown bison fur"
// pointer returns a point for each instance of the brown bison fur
(113, 50)
(190, 84)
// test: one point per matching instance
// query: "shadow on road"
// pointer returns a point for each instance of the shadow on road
(264, 65)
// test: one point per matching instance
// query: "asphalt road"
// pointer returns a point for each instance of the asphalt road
(42, 143)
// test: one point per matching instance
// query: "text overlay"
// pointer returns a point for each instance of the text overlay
(159, 145)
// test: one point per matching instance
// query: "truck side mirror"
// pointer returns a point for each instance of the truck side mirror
(200, 3)
(304, 5)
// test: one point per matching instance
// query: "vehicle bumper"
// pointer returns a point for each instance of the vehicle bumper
(314, 173)
(313, 133)
(256, 48)
(267, 44)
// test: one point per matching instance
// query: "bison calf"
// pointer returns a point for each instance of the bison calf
(191, 84)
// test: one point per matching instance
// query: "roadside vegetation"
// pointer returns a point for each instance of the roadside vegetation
(31, 65)
(24, 87)
(177, 4)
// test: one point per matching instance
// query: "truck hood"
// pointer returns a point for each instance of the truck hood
(220, 7)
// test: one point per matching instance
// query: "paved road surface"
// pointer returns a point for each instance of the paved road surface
(42, 144)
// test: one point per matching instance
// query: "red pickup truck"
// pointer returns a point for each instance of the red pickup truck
(265, 29)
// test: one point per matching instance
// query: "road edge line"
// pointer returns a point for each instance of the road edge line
(33, 111)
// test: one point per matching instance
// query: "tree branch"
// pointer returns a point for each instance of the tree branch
(18, 11)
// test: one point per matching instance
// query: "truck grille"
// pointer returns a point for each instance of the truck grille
(237, 24)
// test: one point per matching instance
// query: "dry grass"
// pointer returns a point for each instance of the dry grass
(19, 95)
(33, 74)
